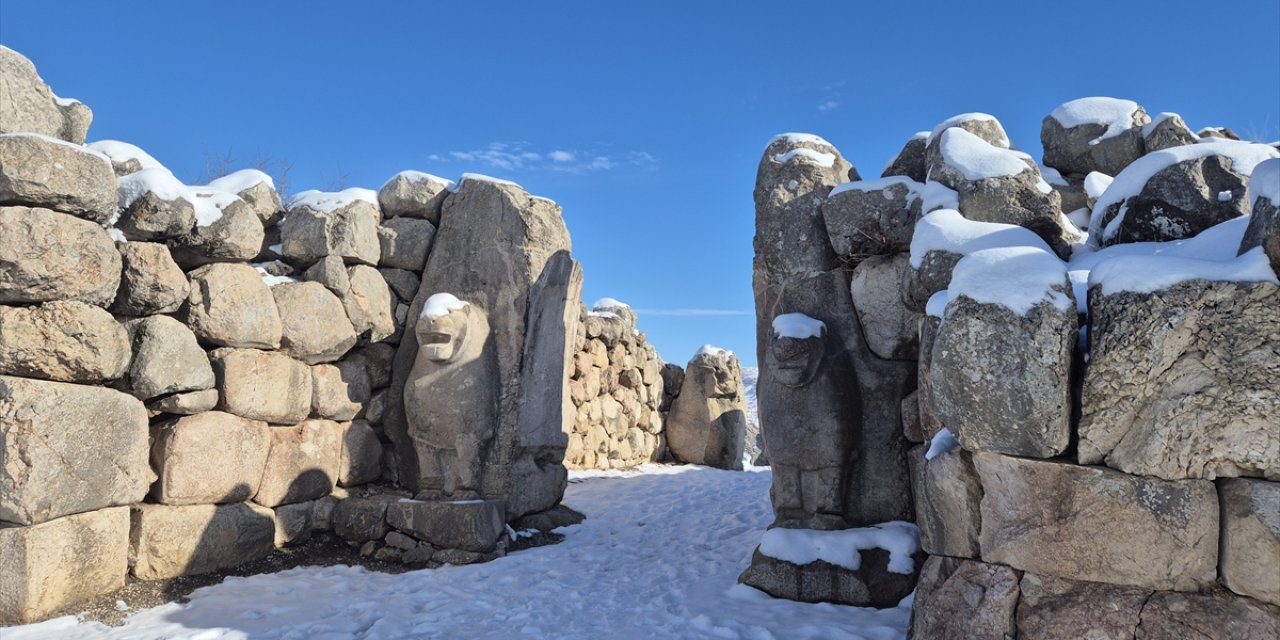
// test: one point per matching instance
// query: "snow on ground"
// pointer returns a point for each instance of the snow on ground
(658, 557)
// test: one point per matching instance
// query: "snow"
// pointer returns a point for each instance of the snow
(947, 230)
(242, 180)
(937, 304)
(116, 235)
(1224, 196)
(1079, 218)
(840, 548)
(1096, 183)
(1155, 122)
(330, 201)
(1053, 176)
(658, 557)
(881, 184)
(798, 325)
(797, 138)
(955, 121)
(827, 160)
(977, 159)
(418, 176)
(1219, 242)
(604, 314)
(1018, 278)
(1244, 157)
(942, 442)
(207, 202)
(480, 177)
(1116, 114)
(65, 102)
(1265, 182)
(609, 303)
(936, 195)
(441, 304)
(1146, 274)
(1080, 289)
(123, 151)
(269, 279)
(712, 350)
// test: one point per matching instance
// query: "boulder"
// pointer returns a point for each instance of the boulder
(473, 525)
(1089, 523)
(1250, 550)
(369, 304)
(186, 403)
(1264, 224)
(262, 385)
(1178, 616)
(302, 464)
(343, 224)
(339, 391)
(361, 519)
(1057, 609)
(29, 105)
(878, 287)
(166, 359)
(61, 563)
(67, 448)
(361, 458)
(231, 306)
(1166, 131)
(256, 189)
(414, 194)
(794, 178)
(171, 541)
(151, 282)
(330, 272)
(53, 256)
(210, 458)
(294, 522)
(377, 359)
(234, 235)
(63, 340)
(1181, 382)
(1093, 134)
(872, 217)
(405, 243)
(155, 205)
(403, 283)
(930, 424)
(910, 161)
(985, 126)
(948, 498)
(964, 600)
(39, 171)
(313, 322)
(708, 420)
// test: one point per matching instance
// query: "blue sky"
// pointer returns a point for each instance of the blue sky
(647, 119)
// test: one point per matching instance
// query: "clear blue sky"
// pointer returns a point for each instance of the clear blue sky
(665, 107)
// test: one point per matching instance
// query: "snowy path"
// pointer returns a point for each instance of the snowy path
(658, 557)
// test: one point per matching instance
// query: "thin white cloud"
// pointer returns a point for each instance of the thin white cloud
(516, 156)
(828, 105)
(561, 156)
(686, 313)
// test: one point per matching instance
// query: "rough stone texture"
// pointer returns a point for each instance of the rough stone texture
(708, 420)
(405, 243)
(933, 275)
(361, 519)
(151, 281)
(47, 256)
(1179, 616)
(339, 391)
(169, 541)
(930, 424)
(1182, 382)
(313, 323)
(236, 236)
(1088, 523)
(151, 217)
(1002, 381)
(911, 418)
(294, 522)
(1057, 609)
(470, 526)
(891, 328)
(349, 232)
(330, 272)
(873, 222)
(910, 161)
(262, 385)
(361, 458)
(188, 403)
(27, 103)
(61, 563)
(1170, 131)
(1264, 226)
(231, 306)
(64, 341)
(948, 497)
(1081, 149)
(1250, 545)
(261, 196)
(210, 458)
(377, 359)
(964, 600)
(415, 195)
(67, 449)
(403, 283)
(872, 585)
(302, 464)
(369, 304)
(36, 171)
(166, 359)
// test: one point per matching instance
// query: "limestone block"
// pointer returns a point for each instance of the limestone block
(1057, 609)
(262, 385)
(65, 341)
(151, 282)
(964, 600)
(1250, 538)
(169, 541)
(302, 464)
(231, 306)
(313, 322)
(54, 256)
(361, 458)
(166, 359)
(39, 171)
(210, 458)
(948, 496)
(339, 391)
(472, 525)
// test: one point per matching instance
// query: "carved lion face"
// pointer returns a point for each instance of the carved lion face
(797, 359)
(440, 337)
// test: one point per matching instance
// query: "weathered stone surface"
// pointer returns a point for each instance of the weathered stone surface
(405, 243)
(369, 304)
(53, 256)
(67, 449)
(330, 272)
(377, 359)
(1178, 616)
(964, 600)
(169, 541)
(62, 563)
(1250, 549)
(910, 161)
(339, 391)
(1093, 146)
(872, 218)
(166, 358)
(186, 403)
(361, 519)
(1088, 523)
(404, 284)
(302, 464)
(29, 105)
(473, 525)
(1181, 383)
(39, 171)
(1264, 223)
(62, 340)
(708, 420)
(890, 328)
(151, 281)
(361, 458)
(262, 385)
(792, 181)
(1057, 609)
(414, 194)
(1168, 130)
(235, 236)
(872, 585)
(256, 189)
(948, 497)
(349, 231)
(231, 306)
(156, 206)
(930, 424)
(294, 522)
(211, 458)
(313, 322)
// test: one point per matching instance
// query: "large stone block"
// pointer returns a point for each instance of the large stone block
(873, 217)
(320, 225)
(1264, 222)
(1093, 134)
(231, 306)
(170, 541)
(315, 326)
(262, 385)
(470, 525)
(62, 563)
(1250, 538)
(166, 359)
(236, 235)
(369, 303)
(964, 600)
(39, 171)
(63, 340)
(948, 497)
(48, 255)
(414, 194)
(29, 104)
(1057, 609)
(209, 458)
(708, 420)
(302, 464)
(151, 282)
(878, 288)
(1179, 616)
(67, 448)
(1181, 383)
(405, 243)
(871, 585)
(361, 460)
(339, 391)
(1089, 523)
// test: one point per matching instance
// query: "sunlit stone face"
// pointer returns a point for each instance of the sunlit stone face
(440, 337)
(797, 359)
